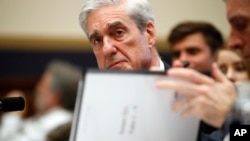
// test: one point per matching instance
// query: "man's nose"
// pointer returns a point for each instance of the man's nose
(181, 61)
(235, 41)
(108, 46)
(183, 57)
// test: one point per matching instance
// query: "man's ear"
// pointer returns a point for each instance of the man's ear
(150, 34)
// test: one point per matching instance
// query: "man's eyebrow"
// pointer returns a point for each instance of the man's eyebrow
(109, 26)
(93, 35)
(232, 18)
(237, 17)
(114, 24)
(192, 47)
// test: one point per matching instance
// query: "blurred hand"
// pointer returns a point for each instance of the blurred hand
(209, 99)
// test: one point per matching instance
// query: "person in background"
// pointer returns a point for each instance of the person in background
(57, 87)
(54, 102)
(195, 42)
(216, 96)
(238, 15)
(233, 65)
(236, 68)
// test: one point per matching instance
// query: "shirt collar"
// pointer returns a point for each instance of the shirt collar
(162, 67)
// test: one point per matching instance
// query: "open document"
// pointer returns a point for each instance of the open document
(127, 106)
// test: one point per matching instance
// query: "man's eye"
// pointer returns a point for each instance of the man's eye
(240, 67)
(240, 24)
(119, 33)
(96, 41)
(193, 51)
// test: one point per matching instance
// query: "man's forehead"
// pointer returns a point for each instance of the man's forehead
(237, 14)
(105, 17)
(107, 27)
(238, 6)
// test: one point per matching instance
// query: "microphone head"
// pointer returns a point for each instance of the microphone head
(12, 104)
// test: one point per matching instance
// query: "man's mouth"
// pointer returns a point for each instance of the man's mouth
(115, 63)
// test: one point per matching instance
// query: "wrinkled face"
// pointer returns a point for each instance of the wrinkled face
(232, 66)
(238, 14)
(117, 42)
(193, 49)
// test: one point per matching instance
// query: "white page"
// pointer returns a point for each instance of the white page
(128, 107)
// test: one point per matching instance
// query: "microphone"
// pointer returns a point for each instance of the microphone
(9, 104)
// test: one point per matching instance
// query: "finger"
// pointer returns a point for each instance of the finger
(192, 111)
(186, 104)
(181, 105)
(180, 87)
(212, 118)
(177, 64)
(190, 75)
(197, 107)
(217, 74)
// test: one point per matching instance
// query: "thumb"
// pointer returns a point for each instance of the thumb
(217, 74)
(177, 64)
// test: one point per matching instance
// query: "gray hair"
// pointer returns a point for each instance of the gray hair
(65, 80)
(138, 10)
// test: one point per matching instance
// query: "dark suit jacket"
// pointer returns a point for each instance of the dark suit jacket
(166, 66)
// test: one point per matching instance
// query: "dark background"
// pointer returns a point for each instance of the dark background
(21, 69)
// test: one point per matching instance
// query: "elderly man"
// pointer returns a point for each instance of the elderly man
(122, 34)
(54, 102)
